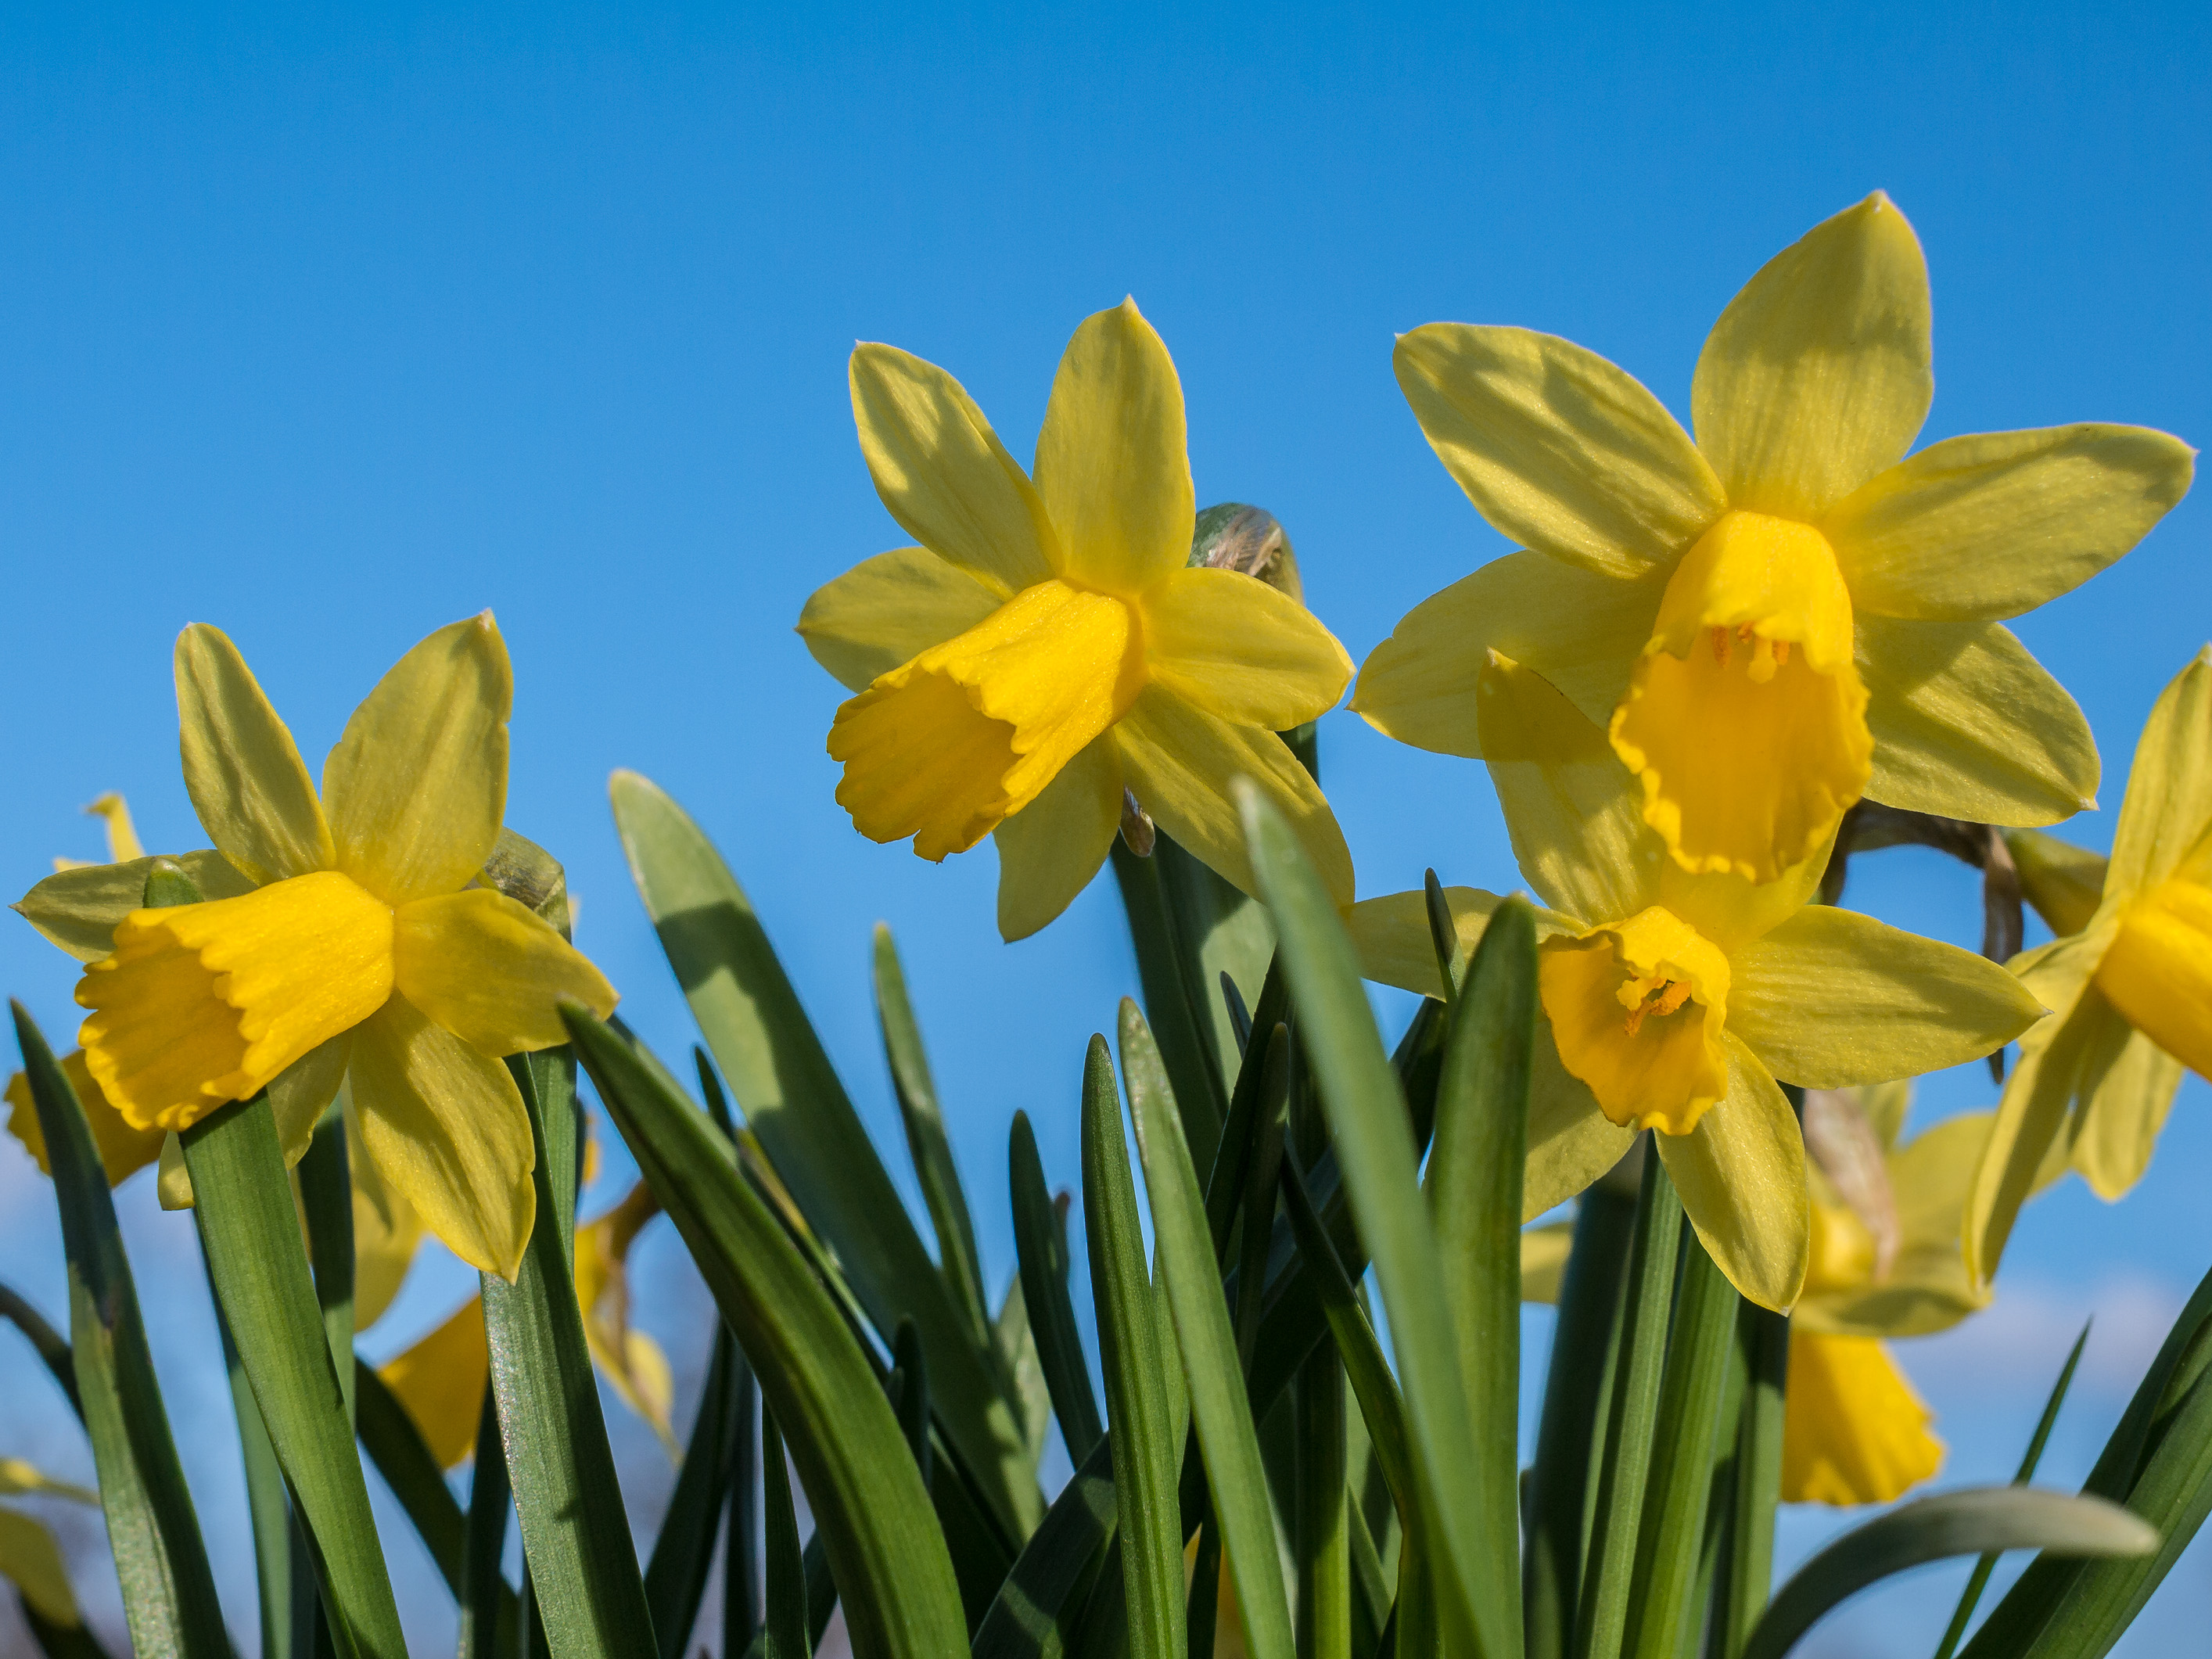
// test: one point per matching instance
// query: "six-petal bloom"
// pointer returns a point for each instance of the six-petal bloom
(343, 936)
(1788, 613)
(1048, 646)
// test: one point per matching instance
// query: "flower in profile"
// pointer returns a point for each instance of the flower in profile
(344, 935)
(1789, 612)
(2129, 990)
(1047, 647)
(1673, 1000)
(124, 1149)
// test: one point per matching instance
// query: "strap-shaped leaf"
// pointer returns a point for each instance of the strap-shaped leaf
(684, 1549)
(1176, 991)
(902, 1601)
(1934, 1528)
(783, 1633)
(487, 1610)
(267, 1507)
(1041, 1243)
(396, 1446)
(52, 1347)
(794, 1103)
(1032, 1608)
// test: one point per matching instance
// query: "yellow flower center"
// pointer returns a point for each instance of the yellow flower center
(1636, 1008)
(948, 746)
(1745, 719)
(2158, 971)
(207, 1003)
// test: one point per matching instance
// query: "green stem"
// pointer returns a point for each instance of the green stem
(1175, 1008)
(1323, 1521)
(1763, 1340)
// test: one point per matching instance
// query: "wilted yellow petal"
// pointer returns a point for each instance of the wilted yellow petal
(124, 1151)
(492, 971)
(1559, 450)
(1853, 1430)
(447, 1128)
(1637, 1008)
(1988, 526)
(2168, 809)
(1050, 850)
(241, 767)
(889, 609)
(2062, 883)
(206, 1003)
(1113, 464)
(1818, 373)
(1230, 644)
(78, 909)
(417, 784)
(1741, 1177)
(29, 1557)
(945, 476)
(441, 1380)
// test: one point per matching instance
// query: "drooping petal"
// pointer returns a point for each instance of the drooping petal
(2125, 1086)
(945, 476)
(386, 1234)
(1050, 850)
(242, 769)
(1819, 372)
(1832, 998)
(491, 972)
(1742, 1175)
(1178, 761)
(447, 1128)
(30, 1558)
(79, 909)
(1980, 528)
(1967, 724)
(300, 1093)
(1571, 808)
(2168, 808)
(123, 1150)
(417, 784)
(1579, 630)
(1559, 449)
(2063, 884)
(890, 610)
(1853, 1431)
(1572, 1142)
(1230, 644)
(441, 1382)
(1113, 464)
(633, 1363)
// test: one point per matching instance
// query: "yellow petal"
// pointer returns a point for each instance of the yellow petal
(2125, 1086)
(29, 1557)
(1392, 935)
(18, 1477)
(945, 476)
(2064, 884)
(632, 1362)
(417, 784)
(491, 972)
(1853, 1431)
(386, 1233)
(1178, 761)
(1817, 374)
(441, 1380)
(124, 1151)
(2158, 971)
(1742, 1175)
(1832, 998)
(114, 813)
(970, 731)
(1559, 449)
(241, 767)
(1544, 1259)
(78, 909)
(889, 609)
(1967, 724)
(1572, 1142)
(1569, 806)
(1731, 911)
(207, 1003)
(447, 1128)
(302, 1091)
(2168, 808)
(1745, 718)
(1980, 528)
(1230, 644)
(1049, 850)
(1112, 462)
(1636, 1008)
(174, 1185)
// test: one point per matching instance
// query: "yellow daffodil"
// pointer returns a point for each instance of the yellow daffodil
(29, 1554)
(344, 935)
(1046, 648)
(2129, 990)
(114, 814)
(124, 1149)
(1788, 613)
(1673, 1000)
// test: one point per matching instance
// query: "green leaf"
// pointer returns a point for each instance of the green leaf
(794, 1103)
(168, 1594)
(1032, 1611)
(1763, 1346)
(1320, 1513)
(910, 1391)
(1176, 991)
(1041, 1243)
(684, 1549)
(395, 1445)
(783, 1636)
(1934, 1528)
(1140, 1431)
(52, 1347)
(268, 1506)
(1373, 1141)
(488, 1609)
(326, 1203)
(1215, 1375)
(741, 1607)
(901, 1595)
(1259, 1095)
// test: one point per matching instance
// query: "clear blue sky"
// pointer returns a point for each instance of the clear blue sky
(330, 328)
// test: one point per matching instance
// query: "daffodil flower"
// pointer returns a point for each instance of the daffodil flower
(343, 936)
(1672, 1001)
(123, 1150)
(29, 1554)
(2131, 991)
(1789, 612)
(114, 815)
(1046, 648)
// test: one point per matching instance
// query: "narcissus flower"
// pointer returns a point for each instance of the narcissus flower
(1672, 1001)
(123, 1150)
(1788, 613)
(1046, 648)
(2131, 991)
(343, 935)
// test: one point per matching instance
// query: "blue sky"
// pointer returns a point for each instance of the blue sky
(328, 328)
